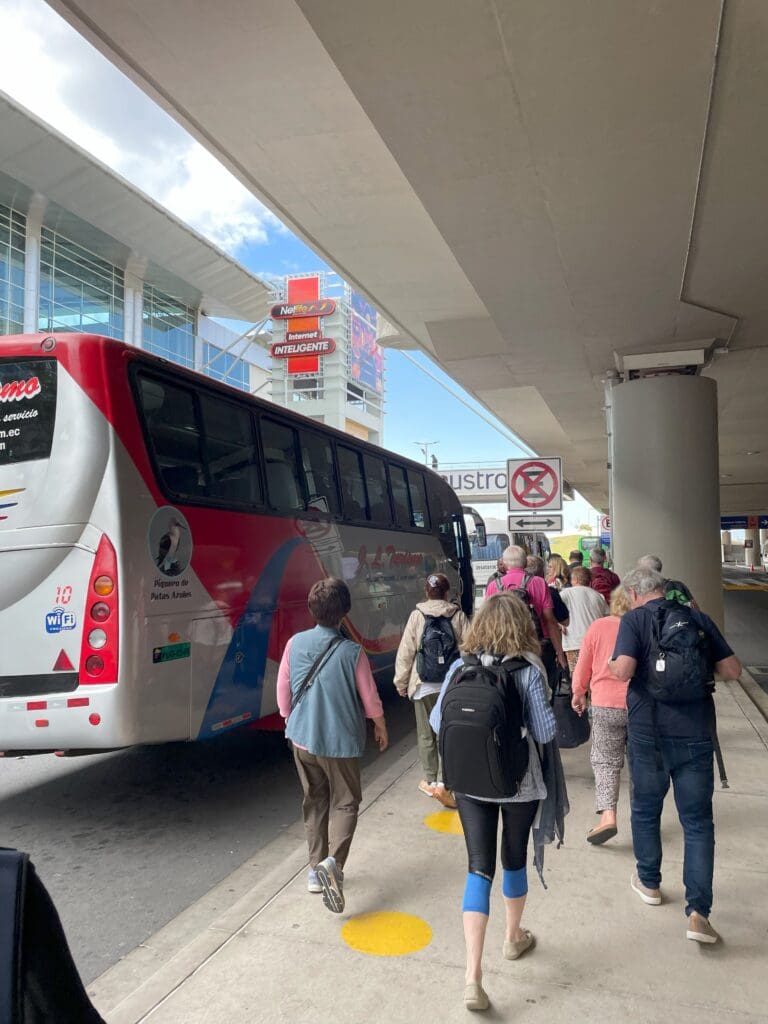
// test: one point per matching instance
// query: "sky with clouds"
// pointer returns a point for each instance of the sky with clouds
(60, 77)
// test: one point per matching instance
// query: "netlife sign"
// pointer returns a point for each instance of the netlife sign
(299, 310)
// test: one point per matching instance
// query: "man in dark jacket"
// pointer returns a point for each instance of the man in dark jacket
(674, 590)
(671, 742)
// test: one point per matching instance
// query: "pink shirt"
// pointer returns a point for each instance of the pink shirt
(541, 599)
(364, 681)
(592, 673)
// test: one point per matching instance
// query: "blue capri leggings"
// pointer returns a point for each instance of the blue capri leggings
(480, 821)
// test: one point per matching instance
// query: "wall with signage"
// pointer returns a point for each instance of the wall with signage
(480, 485)
(326, 362)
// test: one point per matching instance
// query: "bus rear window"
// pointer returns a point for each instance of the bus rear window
(27, 409)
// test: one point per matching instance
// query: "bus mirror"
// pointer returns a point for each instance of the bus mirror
(475, 526)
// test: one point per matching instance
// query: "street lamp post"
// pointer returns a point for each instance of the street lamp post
(424, 446)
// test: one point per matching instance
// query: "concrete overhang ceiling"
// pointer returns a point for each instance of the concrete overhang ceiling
(524, 189)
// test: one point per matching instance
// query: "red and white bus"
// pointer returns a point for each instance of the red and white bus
(159, 533)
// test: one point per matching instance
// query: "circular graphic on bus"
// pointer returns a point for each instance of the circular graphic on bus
(170, 541)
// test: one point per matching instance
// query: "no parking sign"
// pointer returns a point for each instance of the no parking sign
(535, 485)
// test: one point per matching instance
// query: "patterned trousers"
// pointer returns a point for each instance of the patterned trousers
(609, 740)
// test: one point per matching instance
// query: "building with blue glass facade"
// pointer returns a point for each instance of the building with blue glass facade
(83, 250)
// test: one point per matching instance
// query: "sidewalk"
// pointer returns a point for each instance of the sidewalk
(278, 955)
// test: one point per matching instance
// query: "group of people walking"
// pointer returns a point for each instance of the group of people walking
(643, 664)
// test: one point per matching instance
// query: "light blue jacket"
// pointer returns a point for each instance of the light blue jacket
(329, 720)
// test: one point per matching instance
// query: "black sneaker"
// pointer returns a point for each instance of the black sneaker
(331, 877)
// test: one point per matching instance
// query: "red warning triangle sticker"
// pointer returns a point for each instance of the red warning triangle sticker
(63, 664)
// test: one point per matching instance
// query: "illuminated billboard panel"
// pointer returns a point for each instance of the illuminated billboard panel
(366, 357)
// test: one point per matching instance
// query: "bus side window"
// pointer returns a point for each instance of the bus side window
(378, 492)
(319, 472)
(174, 432)
(400, 495)
(418, 492)
(230, 452)
(352, 483)
(443, 508)
(283, 480)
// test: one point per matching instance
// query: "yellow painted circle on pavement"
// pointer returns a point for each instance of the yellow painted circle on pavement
(445, 821)
(387, 933)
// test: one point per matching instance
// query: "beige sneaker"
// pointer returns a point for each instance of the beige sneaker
(475, 997)
(514, 950)
(650, 896)
(700, 930)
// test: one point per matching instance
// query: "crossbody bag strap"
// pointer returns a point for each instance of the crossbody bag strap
(321, 660)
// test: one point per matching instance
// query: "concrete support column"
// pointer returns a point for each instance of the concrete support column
(133, 309)
(35, 213)
(752, 554)
(665, 481)
(725, 543)
(199, 350)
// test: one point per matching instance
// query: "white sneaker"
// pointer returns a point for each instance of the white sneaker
(331, 878)
(313, 882)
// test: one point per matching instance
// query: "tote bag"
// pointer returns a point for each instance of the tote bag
(572, 729)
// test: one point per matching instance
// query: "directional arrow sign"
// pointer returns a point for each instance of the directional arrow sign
(535, 524)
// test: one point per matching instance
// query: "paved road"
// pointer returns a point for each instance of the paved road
(746, 619)
(126, 841)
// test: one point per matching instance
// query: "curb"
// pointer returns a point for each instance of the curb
(138, 983)
(753, 701)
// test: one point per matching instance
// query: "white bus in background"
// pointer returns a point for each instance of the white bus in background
(485, 557)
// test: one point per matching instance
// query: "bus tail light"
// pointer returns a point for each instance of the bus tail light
(100, 632)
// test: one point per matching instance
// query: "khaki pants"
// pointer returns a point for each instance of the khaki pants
(426, 739)
(332, 796)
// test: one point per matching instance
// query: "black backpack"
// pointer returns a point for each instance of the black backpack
(437, 648)
(483, 746)
(680, 664)
(39, 982)
(521, 591)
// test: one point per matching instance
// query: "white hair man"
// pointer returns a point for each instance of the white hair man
(535, 591)
(674, 590)
(671, 732)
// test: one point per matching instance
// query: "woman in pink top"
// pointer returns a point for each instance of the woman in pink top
(608, 697)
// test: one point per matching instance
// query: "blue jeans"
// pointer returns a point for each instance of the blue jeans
(689, 766)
